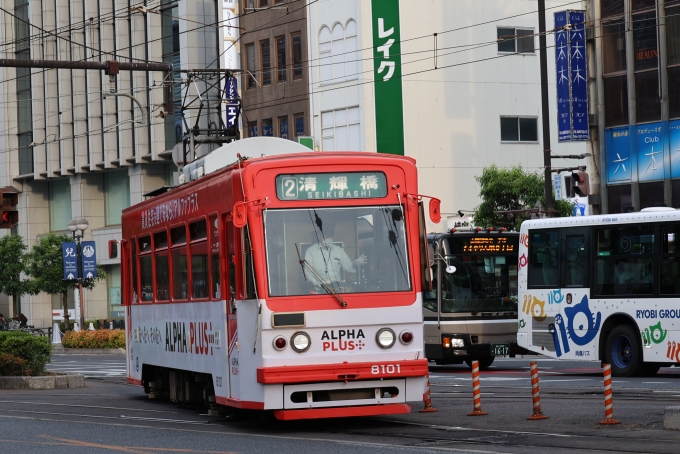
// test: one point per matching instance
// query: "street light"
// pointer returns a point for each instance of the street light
(76, 226)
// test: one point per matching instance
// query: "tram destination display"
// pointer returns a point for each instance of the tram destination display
(332, 186)
(483, 244)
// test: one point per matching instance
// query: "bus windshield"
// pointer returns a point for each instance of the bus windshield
(485, 283)
(341, 250)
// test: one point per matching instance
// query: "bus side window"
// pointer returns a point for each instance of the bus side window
(670, 260)
(576, 259)
(230, 266)
(133, 259)
(544, 258)
(216, 275)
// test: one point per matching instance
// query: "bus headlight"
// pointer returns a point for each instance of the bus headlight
(300, 342)
(385, 338)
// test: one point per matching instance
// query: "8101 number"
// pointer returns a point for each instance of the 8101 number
(386, 369)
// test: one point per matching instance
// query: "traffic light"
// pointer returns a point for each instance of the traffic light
(581, 183)
(8, 213)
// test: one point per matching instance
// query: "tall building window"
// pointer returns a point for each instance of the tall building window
(673, 46)
(170, 33)
(117, 195)
(265, 55)
(515, 40)
(299, 125)
(648, 104)
(59, 195)
(24, 107)
(283, 127)
(337, 50)
(614, 46)
(280, 58)
(611, 8)
(267, 128)
(250, 66)
(519, 129)
(615, 101)
(252, 129)
(340, 129)
(296, 40)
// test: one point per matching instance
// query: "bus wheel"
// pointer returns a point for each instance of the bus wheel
(484, 363)
(622, 351)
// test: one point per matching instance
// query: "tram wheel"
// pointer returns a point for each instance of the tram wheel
(623, 352)
(484, 363)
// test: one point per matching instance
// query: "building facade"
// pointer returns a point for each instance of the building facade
(275, 84)
(76, 143)
(637, 45)
(436, 82)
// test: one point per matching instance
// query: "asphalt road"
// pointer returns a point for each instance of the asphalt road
(111, 416)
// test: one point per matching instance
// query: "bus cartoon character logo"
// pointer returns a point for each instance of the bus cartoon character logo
(522, 261)
(653, 334)
(535, 308)
(673, 352)
(555, 296)
(589, 325)
(524, 239)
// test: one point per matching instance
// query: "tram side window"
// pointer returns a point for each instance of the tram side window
(145, 268)
(624, 259)
(134, 270)
(160, 243)
(249, 272)
(670, 260)
(199, 259)
(180, 277)
(544, 258)
(215, 258)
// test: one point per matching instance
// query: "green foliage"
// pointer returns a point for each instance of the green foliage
(12, 264)
(102, 338)
(508, 190)
(46, 267)
(23, 353)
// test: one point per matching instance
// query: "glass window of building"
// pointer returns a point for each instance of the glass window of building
(648, 105)
(620, 198)
(639, 5)
(647, 102)
(171, 54)
(267, 128)
(651, 194)
(644, 37)
(340, 129)
(24, 109)
(266, 62)
(283, 127)
(59, 194)
(296, 40)
(299, 125)
(117, 195)
(614, 46)
(611, 8)
(519, 129)
(325, 55)
(674, 91)
(116, 310)
(515, 40)
(252, 129)
(250, 65)
(673, 48)
(280, 58)
(615, 101)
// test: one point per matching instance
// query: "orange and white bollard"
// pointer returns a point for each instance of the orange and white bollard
(426, 398)
(476, 393)
(608, 405)
(536, 394)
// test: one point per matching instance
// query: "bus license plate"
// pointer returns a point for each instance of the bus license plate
(499, 349)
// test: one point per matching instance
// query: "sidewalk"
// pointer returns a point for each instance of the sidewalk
(58, 349)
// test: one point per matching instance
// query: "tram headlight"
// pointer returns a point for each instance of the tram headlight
(280, 343)
(300, 342)
(406, 337)
(385, 338)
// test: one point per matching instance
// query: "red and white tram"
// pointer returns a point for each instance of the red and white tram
(289, 283)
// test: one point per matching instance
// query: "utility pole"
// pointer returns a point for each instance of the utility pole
(545, 112)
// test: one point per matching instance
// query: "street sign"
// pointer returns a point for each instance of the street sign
(70, 255)
(89, 255)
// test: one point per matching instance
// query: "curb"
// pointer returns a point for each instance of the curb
(59, 350)
(50, 381)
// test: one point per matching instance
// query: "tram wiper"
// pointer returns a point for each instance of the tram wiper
(307, 267)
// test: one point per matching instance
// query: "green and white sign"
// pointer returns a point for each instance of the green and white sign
(389, 107)
(314, 186)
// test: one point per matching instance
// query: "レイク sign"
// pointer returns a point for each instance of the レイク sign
(313, 186)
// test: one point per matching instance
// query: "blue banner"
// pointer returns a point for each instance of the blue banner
(70, 255)
(579, 76)
(89, 254)
(650, 152)
(572, 76)
(674, 138)
(619, 165)
(562, 72)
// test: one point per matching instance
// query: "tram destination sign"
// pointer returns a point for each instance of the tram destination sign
(332, 186)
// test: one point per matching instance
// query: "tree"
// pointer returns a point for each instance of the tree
(12, 264)
(46, 268)
(509, 190)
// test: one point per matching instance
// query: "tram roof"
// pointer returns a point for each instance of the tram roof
(654, 215)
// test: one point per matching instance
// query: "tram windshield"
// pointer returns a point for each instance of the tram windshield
(341, 250)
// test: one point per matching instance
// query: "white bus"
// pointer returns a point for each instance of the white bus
(602, 288)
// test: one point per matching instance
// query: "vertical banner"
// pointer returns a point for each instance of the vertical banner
(70, 255)
(89, 254)
(562, 72)
(389, 108)
(231, 96)
(572, 76)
